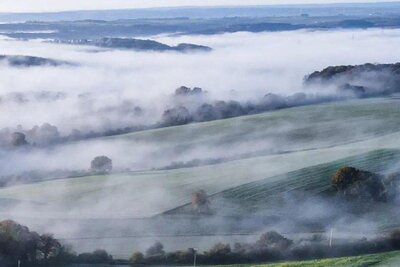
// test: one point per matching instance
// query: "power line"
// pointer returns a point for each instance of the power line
(157, 236)
(167, 236)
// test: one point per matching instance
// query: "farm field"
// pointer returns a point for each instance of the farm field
(283, 131)
(89, 197)
(267, 194)
(69, 197)
(249, 184)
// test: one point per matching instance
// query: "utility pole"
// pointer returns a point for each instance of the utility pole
(194, 251)
(330, 238)
(194, 258)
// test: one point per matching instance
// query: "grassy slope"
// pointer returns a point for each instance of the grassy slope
(156, 191)
(383, 259)
(377, 111)
(152, 192)
(295, 129)
(314, 180)
(336, 126)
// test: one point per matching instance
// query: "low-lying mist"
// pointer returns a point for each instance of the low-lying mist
(111, 91)
(105, 90)
(107, 84)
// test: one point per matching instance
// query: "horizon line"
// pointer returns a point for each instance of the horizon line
(330, 4)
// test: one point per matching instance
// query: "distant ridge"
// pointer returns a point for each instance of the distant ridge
(30, 61)
(135, 44)
(205, 12)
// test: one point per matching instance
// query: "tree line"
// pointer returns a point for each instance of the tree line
(270, 247)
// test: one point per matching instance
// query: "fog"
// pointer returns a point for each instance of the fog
(103, 90)
(112, 89)
(242, 66)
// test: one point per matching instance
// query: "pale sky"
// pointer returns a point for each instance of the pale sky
(62, 5)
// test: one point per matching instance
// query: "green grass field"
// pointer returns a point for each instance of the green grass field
(313, 180)
(247, 179)
(389, 259)
(283, 131)
(159, 191)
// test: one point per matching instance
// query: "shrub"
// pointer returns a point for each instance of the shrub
(274, 240)
(137, 258)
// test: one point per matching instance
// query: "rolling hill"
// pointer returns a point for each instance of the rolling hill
(375, 124)
(289, 130)
(267, 193)
(297, 149)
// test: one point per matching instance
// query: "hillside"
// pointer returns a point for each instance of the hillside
(297, 129)
(302, 142)
(266, 194)
(284, 131)
(134, 44)
(30, 61)
(367, 80)
(315, 141)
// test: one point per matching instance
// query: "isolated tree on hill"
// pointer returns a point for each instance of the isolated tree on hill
(101, 164)
(358, 184)
(200, 202)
